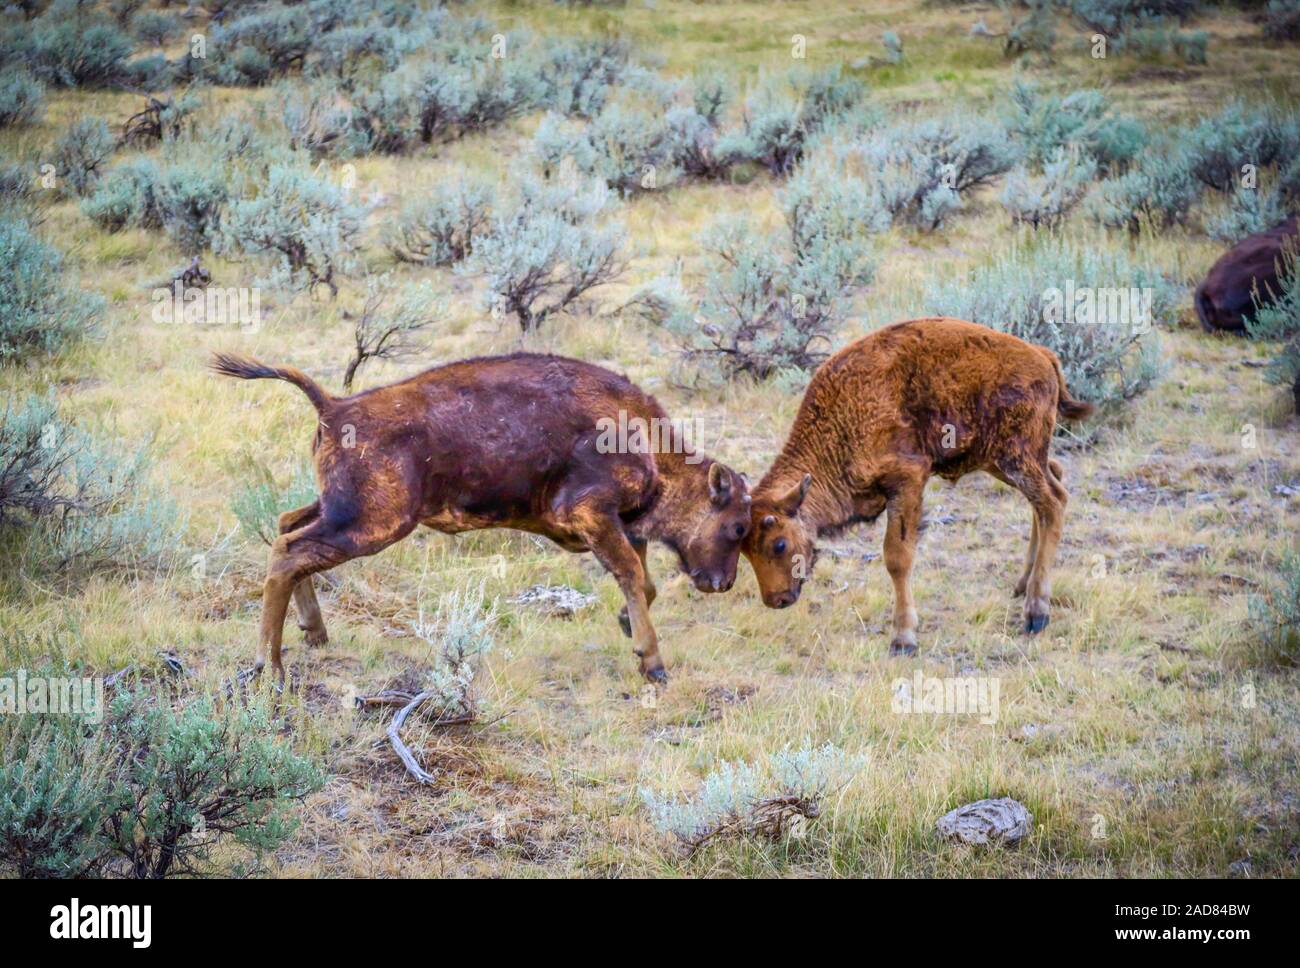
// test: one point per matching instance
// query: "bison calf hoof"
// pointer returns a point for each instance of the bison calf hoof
(658, 676)
(1035, 624)
(625, 623)
(315, 637)
(901, 647)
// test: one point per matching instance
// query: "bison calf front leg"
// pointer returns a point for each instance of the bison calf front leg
(613, 550)
(648, 586)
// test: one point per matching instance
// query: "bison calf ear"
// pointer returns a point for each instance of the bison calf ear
(792, 500)
(719, 484)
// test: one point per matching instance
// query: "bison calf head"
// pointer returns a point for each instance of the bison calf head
(779, 546)
(707, 534)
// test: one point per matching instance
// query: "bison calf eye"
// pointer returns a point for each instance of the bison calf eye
(740, 531)
(779, 547)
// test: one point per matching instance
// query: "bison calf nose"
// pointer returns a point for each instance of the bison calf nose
(783, 599)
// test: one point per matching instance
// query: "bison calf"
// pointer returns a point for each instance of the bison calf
(929, 396)
(500, 442)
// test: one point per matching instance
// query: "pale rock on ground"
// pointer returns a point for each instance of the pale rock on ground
(557, 601)
(1001, 821)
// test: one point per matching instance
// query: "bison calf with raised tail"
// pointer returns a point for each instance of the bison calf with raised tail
(516, 441)
(924, 397)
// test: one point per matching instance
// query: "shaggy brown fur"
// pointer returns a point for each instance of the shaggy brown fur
(928, 396)
(499, 442)
(1251, 266)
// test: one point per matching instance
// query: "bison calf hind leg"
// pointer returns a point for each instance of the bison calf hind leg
(901, 531)
(310, 619)
(1042, 487)
(298, 555)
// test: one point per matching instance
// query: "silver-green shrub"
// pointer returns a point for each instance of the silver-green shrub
(162, 787)
(56, 793)
(193, 196)
(1278, 319)
(440, 228)
(575, 77)
(1282, 20)
(784, 112)
(1158, 192)
(1033, 33)
(549, 249)
(67, 48)
(762, 308)
(41, 309)
(1249, 210)
(155, 26)
(384, 115)
(1094, 307)
(456, 99)
(391, 329)
(773, 798)
(22, 99)
(1275, 611)
(309, 224)
(318, 120)
(128, 196)
(1046, 200)
(831, 217)
(460, 634)
(261, 499)
(628, 146)
(81, 502)
(81, 153)
(917, 170)
(1043, 124)
(1241, 134)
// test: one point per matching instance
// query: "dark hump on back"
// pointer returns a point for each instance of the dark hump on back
(582, 391)
(581, 384)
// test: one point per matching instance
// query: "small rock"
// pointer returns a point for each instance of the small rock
(1030, 732)
(1001, 821)
(557, 601)
(932, 518)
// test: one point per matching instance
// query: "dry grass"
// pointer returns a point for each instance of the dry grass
(1138, 683)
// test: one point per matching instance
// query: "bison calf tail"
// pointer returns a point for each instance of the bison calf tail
(227, 364)
(1072, 409)
(1067, 406)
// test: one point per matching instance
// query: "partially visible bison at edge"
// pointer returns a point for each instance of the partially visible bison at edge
(1226, 297)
